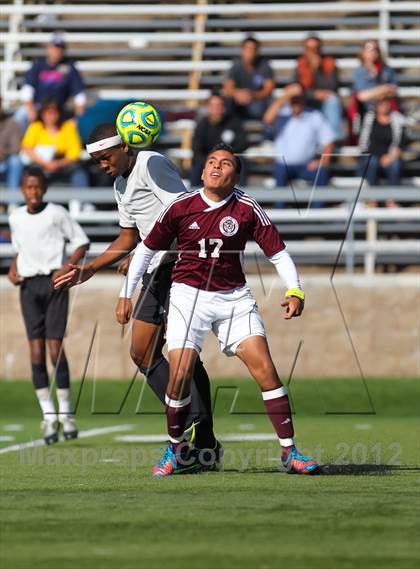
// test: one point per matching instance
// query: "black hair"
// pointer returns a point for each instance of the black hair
(35, 172)
(217, 94)
(227, 148)
(101, 131)
(252, 39)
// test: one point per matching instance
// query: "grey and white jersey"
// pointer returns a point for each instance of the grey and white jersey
(153, 183)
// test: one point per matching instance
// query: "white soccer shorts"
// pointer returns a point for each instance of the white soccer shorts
(232, 316)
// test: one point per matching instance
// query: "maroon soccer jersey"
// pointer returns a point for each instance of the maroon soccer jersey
(212, 237)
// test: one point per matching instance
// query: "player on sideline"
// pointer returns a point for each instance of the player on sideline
(39, 232)
(146, 182)
(209, 292)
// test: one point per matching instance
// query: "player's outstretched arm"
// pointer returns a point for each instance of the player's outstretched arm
(72, 261)
(78, 274)
(138, 266)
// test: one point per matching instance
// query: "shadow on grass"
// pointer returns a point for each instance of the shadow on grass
(364, 469)
(338, 470)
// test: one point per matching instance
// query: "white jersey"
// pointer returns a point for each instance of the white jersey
(39, 239)
(153, 183)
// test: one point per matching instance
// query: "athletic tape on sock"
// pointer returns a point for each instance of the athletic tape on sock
(177, 403)
(274, 393)
(286, 442)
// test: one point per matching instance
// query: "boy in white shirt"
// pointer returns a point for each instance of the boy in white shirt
(39, 232)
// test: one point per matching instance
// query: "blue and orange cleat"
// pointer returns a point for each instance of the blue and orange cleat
(184, 461)
(297, 463)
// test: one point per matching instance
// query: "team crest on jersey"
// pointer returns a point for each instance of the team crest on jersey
(228, 226)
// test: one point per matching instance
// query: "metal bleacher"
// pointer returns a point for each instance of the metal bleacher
(173, 54)
(366, 235)
(135, 43)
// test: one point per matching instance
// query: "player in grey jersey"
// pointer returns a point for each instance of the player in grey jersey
(145, 183)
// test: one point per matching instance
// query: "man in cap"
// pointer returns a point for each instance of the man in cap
(54, 77)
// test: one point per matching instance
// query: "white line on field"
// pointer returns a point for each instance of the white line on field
(13, 427)
(229, 438)
(82, 435)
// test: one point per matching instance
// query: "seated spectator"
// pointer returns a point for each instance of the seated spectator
(54, 77)
(372, 80)
(55, 145)
(300, 134)
(382, 138)
(317, 75)
(217, 126)
(10, 137)
(249, 82)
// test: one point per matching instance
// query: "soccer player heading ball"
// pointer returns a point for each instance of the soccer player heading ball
(209, 292)
(145, 183)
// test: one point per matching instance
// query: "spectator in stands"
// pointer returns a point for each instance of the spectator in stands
(10, 163)
(300, 135)
(372, 80)
(52, 76)
(382, 138)
(217, 126)
(317, 75)
(249, 83)
(54, 144)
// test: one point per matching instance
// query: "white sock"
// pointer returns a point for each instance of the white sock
(64, 403)
(46, 404)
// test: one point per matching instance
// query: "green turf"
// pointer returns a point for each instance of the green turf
(92, 503)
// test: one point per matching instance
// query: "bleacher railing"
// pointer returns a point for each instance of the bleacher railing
(16, 36)
(348, 251)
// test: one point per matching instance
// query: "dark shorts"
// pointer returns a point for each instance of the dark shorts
(153, 302)
(44, 309)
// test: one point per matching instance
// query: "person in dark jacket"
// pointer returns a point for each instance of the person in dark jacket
(217, 126)
(51, 77)
(381, 141)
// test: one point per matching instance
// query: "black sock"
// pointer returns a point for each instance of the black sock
(62, 374)
(157, 377)
(39, 375)
(201, 408)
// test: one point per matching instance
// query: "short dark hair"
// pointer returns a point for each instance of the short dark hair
(35, 172)
(101, 131)
(312, 37)
(227, 148)
(252, 39)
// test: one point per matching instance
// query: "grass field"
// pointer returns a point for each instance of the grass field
(92, 503)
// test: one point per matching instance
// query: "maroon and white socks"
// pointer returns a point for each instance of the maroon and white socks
(276, 402)
(177, 411)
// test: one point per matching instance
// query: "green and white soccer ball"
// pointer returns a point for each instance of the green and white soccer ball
(139, 124)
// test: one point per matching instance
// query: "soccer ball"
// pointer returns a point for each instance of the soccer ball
(138, 124)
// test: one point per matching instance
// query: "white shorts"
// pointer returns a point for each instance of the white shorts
(232, 316)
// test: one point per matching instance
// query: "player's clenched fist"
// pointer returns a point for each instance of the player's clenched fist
(13, 277)
(294, 307)
(123, 310)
